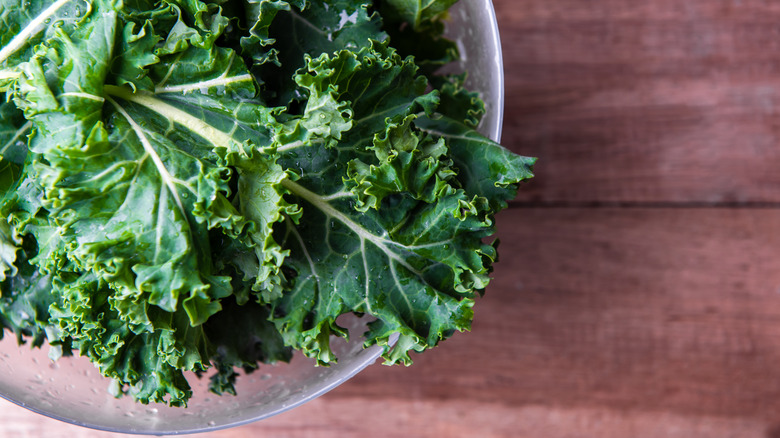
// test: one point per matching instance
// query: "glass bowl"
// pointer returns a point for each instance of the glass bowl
(73, 391)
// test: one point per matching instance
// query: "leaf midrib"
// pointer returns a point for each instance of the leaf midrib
(321, 204)
(168, 180)
(175, 115)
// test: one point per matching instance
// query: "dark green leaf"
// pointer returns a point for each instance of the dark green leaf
(311, 30)
(417, 13)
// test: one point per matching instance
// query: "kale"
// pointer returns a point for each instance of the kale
(188, 185)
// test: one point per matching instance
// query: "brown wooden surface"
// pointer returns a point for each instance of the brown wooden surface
(659, 101)
(638, 293)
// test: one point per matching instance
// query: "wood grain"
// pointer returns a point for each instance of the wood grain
(665, 101)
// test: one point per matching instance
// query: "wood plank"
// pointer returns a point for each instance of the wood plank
(673, 311)
(600, 322)
(663, 101)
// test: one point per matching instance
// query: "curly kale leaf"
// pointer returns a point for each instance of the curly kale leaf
(416, 13)
(393, 233)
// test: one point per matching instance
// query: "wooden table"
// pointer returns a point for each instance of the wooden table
(638, 293)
